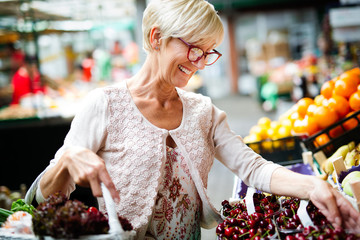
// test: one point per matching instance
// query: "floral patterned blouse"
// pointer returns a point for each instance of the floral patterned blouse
(176, 213)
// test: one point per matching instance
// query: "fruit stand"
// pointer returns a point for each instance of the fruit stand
(326, 143)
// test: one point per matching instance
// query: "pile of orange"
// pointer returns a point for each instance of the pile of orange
(338, 98)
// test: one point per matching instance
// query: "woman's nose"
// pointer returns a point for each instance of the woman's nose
(200, 64)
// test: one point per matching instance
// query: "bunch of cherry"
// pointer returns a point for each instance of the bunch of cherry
(272, 222)
(240, 225)
(321, 233)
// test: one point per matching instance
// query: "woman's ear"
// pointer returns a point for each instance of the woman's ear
(155, 37)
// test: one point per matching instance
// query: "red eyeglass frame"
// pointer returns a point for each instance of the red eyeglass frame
(204, 53)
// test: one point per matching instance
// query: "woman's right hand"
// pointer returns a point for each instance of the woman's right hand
(80, 166)
(88, 170)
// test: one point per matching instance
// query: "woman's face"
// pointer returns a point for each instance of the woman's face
(175, 67)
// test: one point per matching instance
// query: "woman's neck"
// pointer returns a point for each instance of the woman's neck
(149, 84)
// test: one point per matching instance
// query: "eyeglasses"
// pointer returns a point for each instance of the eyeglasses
(195, 54)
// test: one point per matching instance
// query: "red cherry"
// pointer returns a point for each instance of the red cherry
(92, 210)
(219, 229)
(229, 232)
(235, 237)
(252, 232)
(252, 223)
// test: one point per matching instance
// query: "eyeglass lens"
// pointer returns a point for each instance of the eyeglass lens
(196, 53)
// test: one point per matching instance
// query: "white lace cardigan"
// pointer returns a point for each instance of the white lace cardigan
(134, 150)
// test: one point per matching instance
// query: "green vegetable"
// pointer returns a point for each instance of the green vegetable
(20, 205)
(4, 214)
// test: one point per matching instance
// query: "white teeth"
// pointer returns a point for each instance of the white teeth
(184, 70)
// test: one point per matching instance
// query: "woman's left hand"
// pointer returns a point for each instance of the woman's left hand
(336, 208)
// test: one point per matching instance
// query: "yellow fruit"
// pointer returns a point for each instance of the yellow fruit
(251, 138)
(275, 125)
(342, 151)
(255, 129)
(328, 167)
(284, 131)
(350, 158)
(271, 133)
(286, 122)
(264, 122)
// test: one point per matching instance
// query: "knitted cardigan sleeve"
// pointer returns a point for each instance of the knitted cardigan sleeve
(231, 150)
(88, 130)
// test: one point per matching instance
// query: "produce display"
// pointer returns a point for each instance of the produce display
(57, 217)
(339, 98)
(275, 218)
(328, 126)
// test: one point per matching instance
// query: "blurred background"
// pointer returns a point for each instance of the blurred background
(274, 53)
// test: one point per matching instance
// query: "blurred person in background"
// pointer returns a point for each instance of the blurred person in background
(17, 57)
(26, 80)
(152, 144)
(87, 65)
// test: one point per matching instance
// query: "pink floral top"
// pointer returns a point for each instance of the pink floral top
(176, 213)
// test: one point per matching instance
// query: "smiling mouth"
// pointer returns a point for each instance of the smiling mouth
(184, 70)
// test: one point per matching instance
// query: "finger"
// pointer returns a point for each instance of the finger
(95, 186)
(334, 212)
(330, 209)
(106, 179)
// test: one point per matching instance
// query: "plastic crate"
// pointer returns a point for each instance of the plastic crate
(284, 151)
(335, 142)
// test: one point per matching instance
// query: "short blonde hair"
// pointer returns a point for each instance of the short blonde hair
(195, 20)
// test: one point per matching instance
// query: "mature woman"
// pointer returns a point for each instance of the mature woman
(153, 144)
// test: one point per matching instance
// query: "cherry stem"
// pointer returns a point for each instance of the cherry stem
(265, 234)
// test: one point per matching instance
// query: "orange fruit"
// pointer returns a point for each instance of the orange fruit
(352, 75)
(311, 110)
(321, 140)
(345, 86)
(307, 125)
(327, 89)
(310, 125)
(318, 100)
(302, 105)
(354, 101)
(294, 116)
(325, 116)
(299, 126)
(352, 122)
(340, 105)
(355, 71)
